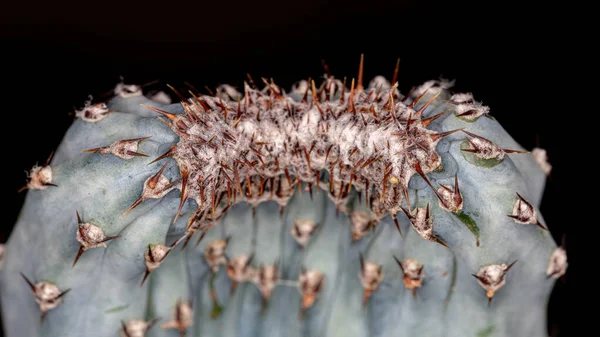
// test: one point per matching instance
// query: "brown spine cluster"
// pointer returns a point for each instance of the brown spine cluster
(265, 144)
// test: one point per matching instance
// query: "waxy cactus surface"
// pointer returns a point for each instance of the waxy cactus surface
(335, 209)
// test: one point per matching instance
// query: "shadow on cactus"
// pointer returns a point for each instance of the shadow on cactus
(335, 209)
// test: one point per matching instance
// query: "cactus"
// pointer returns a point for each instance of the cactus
(331, 210)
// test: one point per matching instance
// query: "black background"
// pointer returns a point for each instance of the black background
(55, 55)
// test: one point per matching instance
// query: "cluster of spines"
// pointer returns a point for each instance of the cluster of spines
(243, 172)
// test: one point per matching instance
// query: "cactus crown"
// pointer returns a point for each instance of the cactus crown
(374, 153)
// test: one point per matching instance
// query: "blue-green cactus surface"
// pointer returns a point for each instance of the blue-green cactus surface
(264, 244)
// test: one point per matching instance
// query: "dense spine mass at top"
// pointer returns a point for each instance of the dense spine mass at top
(253, 146)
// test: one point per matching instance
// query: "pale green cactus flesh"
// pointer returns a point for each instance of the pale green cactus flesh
(325, 211)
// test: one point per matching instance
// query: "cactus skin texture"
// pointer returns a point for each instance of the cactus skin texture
(236, 229)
